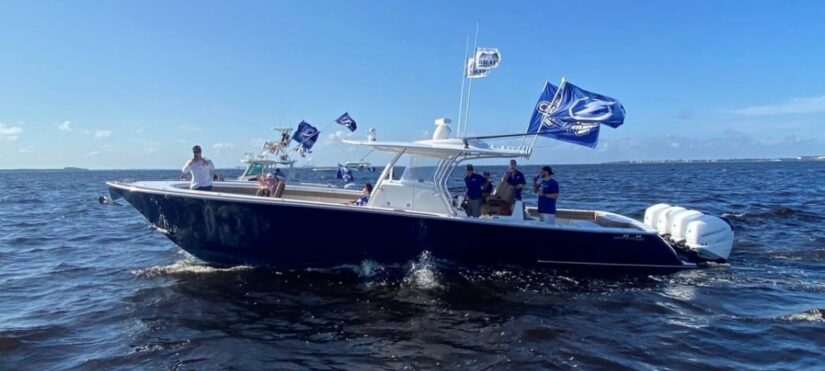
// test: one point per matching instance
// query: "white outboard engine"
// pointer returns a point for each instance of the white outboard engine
(711, 237)
(665, 219)
(678, 227)
(652, 214)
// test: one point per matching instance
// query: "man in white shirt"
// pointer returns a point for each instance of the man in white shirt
(200, 168)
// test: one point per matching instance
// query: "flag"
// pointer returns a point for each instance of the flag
(473, 72)
(347, 121)
(305, 135)
(343, 173)
(574, 115)
(487, 58)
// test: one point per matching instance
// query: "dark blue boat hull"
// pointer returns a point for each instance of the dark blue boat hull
(230, 232)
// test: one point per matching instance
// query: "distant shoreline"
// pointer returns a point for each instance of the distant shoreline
(629, 162)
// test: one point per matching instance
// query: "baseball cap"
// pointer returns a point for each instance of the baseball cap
(270, 176)
(548, 169)
(469, 167)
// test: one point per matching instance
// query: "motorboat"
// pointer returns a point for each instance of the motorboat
(272, 158)
(406, 215)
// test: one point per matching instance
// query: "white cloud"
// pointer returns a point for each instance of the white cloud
(150, 147)
(792, 106)
(9, 133)
(92, 154)
(190, 128)
(222, 146)
(65, 126)
(27, 150)
(102, 134)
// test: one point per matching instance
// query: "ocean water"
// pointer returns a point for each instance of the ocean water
(89, 286)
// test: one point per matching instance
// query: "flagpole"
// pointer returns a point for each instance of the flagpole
(470, 88)
(463, 78)
(558, 91)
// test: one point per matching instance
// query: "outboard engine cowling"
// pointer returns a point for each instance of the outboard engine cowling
(666, 218)
(652, 214)
(678, 228)
(710, 236)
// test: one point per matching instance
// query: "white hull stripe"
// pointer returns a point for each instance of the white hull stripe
(684, 265)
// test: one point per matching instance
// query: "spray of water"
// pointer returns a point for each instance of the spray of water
(422, 274)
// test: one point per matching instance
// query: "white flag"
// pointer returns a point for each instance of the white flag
(487, 58)
(473, 72)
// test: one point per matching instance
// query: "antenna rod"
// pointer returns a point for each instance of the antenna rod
(470, 89)
(463, 78)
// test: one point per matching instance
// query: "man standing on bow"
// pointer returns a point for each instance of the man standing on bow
(200, 168)
(472, 194)
(547, 190)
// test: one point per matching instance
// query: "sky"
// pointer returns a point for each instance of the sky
(135, 84)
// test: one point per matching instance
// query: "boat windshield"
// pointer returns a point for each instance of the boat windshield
(255, 169)
(420, 169)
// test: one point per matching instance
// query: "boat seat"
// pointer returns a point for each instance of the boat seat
(279, 190)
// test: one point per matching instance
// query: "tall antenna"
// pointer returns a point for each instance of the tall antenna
(470, 88)
(463, 79)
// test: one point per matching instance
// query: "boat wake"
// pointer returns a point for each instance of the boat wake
(813, 315)
(186, 267)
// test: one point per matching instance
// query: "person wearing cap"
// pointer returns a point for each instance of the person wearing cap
(487, 190)
(514, 178)
(472, 194)
(547, 190)
(200, 169)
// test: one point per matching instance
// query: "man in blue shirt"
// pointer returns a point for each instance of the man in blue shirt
(514, 178)
(472, 194)
(547, 190)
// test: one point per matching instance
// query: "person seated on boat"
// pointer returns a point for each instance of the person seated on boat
(515, 178)
(472, 193)
(267, 183)
(365, 196)
(200, 169)
(547, 190)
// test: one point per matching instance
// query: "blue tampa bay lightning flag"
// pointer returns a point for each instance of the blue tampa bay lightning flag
(574, 115)
(305, 135)
(344, 173)
(347, 121)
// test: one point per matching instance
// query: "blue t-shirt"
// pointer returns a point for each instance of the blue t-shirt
(548, 205)
(363, 200)
(515, 179)
(474, 184)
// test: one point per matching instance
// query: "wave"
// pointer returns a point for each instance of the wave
(24, 200)
(813, 315)
(780, 212)
(186, 267)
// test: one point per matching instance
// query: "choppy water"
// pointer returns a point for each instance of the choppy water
(84, 285)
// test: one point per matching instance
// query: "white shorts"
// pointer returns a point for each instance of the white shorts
(548, 218)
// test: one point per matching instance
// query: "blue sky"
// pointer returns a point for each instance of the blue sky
(134, 84)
